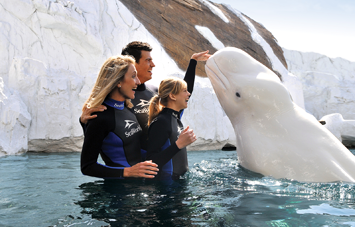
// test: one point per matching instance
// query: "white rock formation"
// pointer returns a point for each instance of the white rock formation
(50, 54)
(15, 121)
(328, 84)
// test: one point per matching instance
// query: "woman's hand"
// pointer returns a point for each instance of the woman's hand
(145, 169)
(86, 114)
(202, 56)
(187, 137)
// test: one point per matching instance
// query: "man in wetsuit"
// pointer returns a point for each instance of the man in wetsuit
(144, 66)
(144, 92)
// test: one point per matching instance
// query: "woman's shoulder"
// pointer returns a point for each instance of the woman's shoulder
(103, 118)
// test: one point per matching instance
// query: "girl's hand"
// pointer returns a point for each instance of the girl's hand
(202, 56)
(187, 137)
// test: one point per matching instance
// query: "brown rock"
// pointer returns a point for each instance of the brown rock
(173, 22)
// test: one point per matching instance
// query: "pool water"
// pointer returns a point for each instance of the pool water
(49, 190)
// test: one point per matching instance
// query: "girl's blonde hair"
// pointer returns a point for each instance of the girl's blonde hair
(158, 102)
(112, 72)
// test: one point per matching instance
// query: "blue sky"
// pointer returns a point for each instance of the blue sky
(321, 26)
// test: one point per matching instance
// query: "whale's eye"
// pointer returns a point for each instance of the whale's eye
(237, 94)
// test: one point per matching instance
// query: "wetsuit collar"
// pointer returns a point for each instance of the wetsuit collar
(141, 87)
(175, 113)
(114, 103)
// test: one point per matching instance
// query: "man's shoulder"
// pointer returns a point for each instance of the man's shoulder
(143, 97)
(152, 88)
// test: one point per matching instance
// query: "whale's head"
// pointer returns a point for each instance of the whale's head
(244, 86)
(274, 136)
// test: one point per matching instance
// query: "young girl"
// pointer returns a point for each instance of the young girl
(114, 133)
(167, 138)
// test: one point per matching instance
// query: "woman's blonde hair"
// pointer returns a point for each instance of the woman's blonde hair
(112, 72)
(158, 102)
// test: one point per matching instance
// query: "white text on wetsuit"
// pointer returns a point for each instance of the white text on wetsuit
(143, 107)
(133, 131)
(139, 111)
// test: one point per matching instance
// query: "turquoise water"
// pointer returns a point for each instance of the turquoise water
(49, 190)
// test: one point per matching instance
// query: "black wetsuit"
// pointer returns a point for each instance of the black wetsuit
(162, 135)
(114, 134)
(143, 95)
(140, 108)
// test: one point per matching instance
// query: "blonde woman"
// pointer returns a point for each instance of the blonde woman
(114, 133)
(167, 138)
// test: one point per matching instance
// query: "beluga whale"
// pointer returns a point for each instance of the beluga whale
(275, 137)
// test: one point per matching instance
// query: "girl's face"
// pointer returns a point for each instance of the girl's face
(182, 98)
(129, 83)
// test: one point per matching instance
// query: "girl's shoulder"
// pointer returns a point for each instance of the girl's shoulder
(162, 119)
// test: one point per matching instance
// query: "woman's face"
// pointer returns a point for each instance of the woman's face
(129, 83)
(182, 98)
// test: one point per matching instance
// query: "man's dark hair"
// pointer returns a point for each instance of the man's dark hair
(134, 49)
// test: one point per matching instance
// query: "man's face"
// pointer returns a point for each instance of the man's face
(145, 66)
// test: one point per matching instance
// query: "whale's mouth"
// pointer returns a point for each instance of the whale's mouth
(215, 79)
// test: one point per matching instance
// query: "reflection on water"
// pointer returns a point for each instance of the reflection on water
(218, 192)
(137, 203)
(253, 200)
(49, 190)
(327, 209)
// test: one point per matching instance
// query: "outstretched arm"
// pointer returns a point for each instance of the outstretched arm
(191, 69)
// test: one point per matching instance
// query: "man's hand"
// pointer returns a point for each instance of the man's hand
(86, 114)
(146, 169)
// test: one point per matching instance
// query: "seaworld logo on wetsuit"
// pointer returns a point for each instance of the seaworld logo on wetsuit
(175, 115)
(133, 131)
(129, 123)
(143, 107)
(154, 120)
(143, 103)
(180, 129)
(119, 105)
